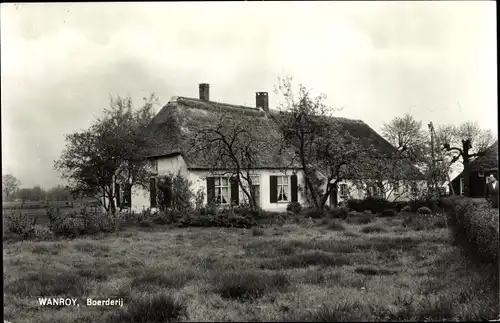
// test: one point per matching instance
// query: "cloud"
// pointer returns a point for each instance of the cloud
(378, 60)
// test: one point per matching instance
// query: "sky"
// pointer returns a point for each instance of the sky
(375, 60)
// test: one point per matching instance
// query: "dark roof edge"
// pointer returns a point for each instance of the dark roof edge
(165, 155)
(254, 168)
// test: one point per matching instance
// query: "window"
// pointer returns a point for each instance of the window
(221, 190)
(154, 165)
(283, 189)
(480, 174)
(343, 190)
(462, 185)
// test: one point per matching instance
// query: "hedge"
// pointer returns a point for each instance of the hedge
(475, 228)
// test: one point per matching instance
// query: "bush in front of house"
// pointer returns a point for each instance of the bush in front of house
(294, 207)
(423, 210)
(389, 213)
(73, 224)
(374, 205)
(225, 218)
(313, 213)
(406, 209)
(419, 222)
(359, 218)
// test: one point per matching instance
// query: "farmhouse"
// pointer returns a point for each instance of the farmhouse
(480, 169)
(276, 177)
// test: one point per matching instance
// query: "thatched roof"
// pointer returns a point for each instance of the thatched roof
(182, 118)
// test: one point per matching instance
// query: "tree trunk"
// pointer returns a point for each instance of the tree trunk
(466, 160)
(112, 205)
(466, 177)
(310, 188)
(330, 190)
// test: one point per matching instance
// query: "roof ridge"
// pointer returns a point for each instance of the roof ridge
(176, 98)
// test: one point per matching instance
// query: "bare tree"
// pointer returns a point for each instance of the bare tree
(406, 134)
(466, 142)
(112, 151)
(323, 149)
(232, 146)
(414, 147)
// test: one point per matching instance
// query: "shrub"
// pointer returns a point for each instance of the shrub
(389, 213)
(424, 211)
(306, 259)
(49, 282)
(73, 224)
(359, 218)
(249, 284)
(336, 225)
(314, 214)
(223, 220)
(257, 232)
(475, 227)
(294, 207)
(445, 203)
(163, 278)
(155, 308)
(161, 218)
(406, 208)
(42, 232)
(68, 225)
(356, 205)
(20, 223)
(425, 222)
(374, 205)
(247, 211)
(95, 222)
(339, 213)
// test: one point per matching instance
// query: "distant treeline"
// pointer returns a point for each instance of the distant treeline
(37, 197)
(36, 194)
(49, 204)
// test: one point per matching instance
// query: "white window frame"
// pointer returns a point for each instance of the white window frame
(462, 185)
(220, 187)
(286, 189)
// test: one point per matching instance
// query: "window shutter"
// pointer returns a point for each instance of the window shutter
(152, 192)
(273, 189)
(235, 199)
(210, 189)
(293, 182)
(128, 194)
(167, 194)
(117, 195)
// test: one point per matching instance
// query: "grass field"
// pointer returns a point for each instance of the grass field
(307, 272)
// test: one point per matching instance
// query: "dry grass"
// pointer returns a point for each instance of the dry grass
(268, 274)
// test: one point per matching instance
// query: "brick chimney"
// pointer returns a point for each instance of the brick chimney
(204, 91)
(262, 101)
